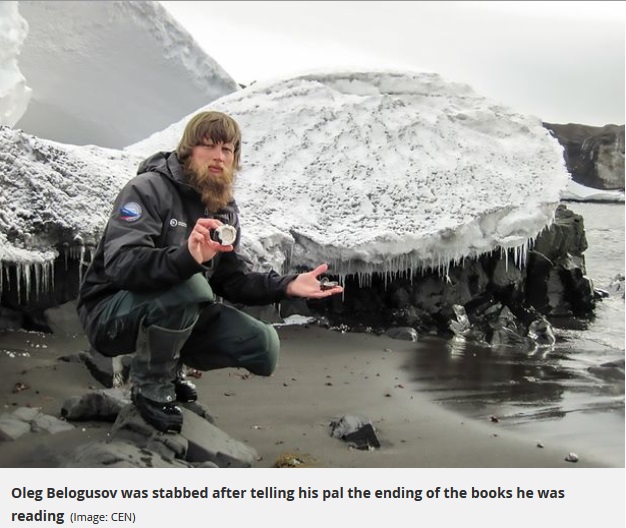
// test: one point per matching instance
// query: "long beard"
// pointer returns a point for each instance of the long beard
(216, 190)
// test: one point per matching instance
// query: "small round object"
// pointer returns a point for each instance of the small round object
(224, 234)
(572, 457)
(326, 284)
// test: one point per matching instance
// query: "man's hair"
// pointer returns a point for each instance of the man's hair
(214, 126)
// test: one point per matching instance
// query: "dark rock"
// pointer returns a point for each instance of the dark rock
(294, 307)
(103, 405)
(200, 410)
(594, 155)
(131, 427)
(118, 454)
(199, 441)
(10, 319)
(357, 432)
(63, 319)
(109, 371)
(208, 443)
(404, 333)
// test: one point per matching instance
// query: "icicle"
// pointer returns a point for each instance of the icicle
(81, 263)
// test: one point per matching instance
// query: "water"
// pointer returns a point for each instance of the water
(561, 395)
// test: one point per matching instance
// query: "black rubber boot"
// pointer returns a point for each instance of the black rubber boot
(154, 366)
(165, 417)
(185, 390)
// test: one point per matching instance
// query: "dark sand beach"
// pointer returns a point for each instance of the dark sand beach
(322, 375)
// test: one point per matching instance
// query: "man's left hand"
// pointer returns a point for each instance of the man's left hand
(308, 285)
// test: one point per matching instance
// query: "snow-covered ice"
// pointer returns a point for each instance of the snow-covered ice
(111, 73)
(371, 172)
(580, 193)
(385, 171)
(14, 91)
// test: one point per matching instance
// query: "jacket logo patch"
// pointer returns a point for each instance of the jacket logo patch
(174, 223)
(130, 212)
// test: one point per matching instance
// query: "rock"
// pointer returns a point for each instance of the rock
(102, 405)
(541, 332)
(10, 320)
(63, 319)
(27, 419)
(402, 332)
(131, 427)
(208, 443)
(594, 155)
(199, 441)
(294, 307)
(49, 424)
(357, 432)
(118, 454)
(12, 428)
(200, 410)
(26, 414)
(111, 372)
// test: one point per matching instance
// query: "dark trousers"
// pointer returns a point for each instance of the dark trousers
(222, 336)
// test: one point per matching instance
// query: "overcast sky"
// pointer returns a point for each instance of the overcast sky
(560, 61)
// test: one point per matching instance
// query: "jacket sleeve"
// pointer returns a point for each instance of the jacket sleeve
(233, 280)
(131, 259)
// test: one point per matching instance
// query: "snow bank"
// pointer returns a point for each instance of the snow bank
(385, 171)
(576, 192)
(111, 73)
(14, 93)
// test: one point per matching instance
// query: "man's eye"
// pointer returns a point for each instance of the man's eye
(228, 149)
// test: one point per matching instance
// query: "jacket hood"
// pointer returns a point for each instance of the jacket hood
(167, 164)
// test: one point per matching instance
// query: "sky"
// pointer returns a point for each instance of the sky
(560, 61)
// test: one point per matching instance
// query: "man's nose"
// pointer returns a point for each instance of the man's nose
(218, 154)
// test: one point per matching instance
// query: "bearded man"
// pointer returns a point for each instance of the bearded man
(152, 284)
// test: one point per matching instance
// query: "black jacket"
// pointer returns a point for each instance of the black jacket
(144, 245)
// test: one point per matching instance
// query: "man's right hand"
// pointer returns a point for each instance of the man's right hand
(200, 245)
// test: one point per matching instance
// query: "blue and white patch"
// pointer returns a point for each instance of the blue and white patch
(130, 212)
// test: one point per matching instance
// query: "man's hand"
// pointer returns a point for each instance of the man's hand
(200, 245)
(307, 285)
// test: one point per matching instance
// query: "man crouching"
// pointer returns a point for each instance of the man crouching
(152, 284)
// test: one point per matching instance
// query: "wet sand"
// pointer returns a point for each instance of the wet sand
(322, 375)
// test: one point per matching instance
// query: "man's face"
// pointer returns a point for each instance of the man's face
(211, 172)
(213, 157)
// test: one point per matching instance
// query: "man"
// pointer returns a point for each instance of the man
(152, 284)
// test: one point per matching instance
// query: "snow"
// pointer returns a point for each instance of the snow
(576, 192)
(385, 171)
(53, 197)
(120, 71)
(14, 92)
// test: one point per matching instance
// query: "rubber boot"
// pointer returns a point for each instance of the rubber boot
(184, 389)
(152, 370)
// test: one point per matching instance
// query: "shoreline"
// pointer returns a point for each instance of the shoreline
(322, 375)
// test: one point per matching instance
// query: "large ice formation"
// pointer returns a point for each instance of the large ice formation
(385, 171)
(111, 73)
(14, 92)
